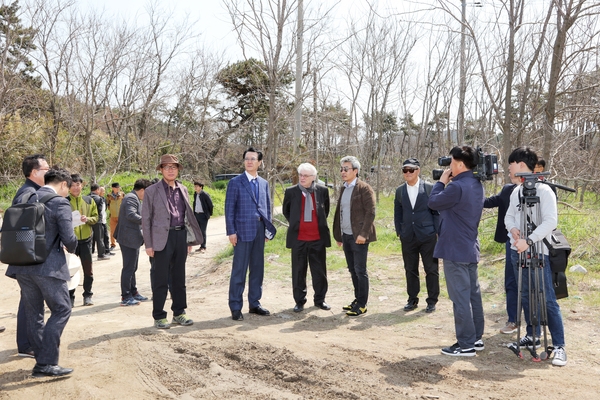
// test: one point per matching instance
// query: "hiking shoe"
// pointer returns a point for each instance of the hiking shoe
(560, 357)
(527, 341)
(456, 351)
(129, 301)
(182, 320)
(87, 301)
(479, 345)
(139, 297)
(162, 323)
(103, 258)
(509, 328)
(350, 306)
(357, 311)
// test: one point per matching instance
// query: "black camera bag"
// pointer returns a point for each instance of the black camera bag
(559, 251)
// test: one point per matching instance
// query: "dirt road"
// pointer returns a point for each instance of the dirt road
(385, 354)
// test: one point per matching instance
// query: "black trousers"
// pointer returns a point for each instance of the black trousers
(130, 266)
(304, 254)
(202, 219)
(169, 262)
(98, 239)
(411, 249)
(84, 252)
(356, 258)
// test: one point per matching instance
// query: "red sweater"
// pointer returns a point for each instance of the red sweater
(309, 231)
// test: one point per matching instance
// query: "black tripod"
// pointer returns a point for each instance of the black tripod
(531, 262)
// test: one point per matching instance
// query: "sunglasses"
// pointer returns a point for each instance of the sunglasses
(407, 170)
(346, 169)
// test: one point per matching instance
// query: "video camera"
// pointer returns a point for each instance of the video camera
(487, 166)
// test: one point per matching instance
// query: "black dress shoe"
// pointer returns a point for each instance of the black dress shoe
(430, 308)
(299, 307)
(323, 306)
(411, 305)
(260, 310)
(237, 315)
(50, 370)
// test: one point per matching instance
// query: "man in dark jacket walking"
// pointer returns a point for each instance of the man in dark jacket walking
(203, 210)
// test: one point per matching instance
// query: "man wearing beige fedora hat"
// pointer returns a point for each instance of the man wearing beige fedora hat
(170, 230)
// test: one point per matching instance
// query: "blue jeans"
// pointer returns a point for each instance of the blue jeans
(555, 322)
(511, 286)
(463, 289)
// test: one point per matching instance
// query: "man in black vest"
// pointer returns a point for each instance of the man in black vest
(417, 226)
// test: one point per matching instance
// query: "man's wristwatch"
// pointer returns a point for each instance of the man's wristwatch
(529, 242)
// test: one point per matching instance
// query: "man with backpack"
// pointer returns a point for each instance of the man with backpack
(417, 227)
(34, 169)
(47, 282)
(88, 215)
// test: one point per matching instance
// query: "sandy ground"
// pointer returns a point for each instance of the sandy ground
(386, 354)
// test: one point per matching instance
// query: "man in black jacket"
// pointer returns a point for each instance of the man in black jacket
(511, 288)
(417, 226)
(98, 229)
(306, 207)
(203, 209)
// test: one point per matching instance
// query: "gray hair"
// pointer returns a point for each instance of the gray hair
(352, 160)
(308, 167)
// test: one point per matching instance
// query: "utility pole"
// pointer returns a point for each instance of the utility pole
(298, 110)
(462, 89)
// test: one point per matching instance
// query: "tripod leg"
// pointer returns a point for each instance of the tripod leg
(544, 311)
(533, 307)
(516, 348)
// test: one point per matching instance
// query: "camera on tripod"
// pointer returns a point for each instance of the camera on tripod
(487, 166)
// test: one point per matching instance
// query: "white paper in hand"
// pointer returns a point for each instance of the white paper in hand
(77, 219)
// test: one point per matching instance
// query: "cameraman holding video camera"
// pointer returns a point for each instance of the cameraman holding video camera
(458, 196)
(523, 160)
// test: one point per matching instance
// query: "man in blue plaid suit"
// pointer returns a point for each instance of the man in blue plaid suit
(247, 213)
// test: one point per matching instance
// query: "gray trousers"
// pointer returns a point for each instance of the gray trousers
(46, 337)
(463, 288)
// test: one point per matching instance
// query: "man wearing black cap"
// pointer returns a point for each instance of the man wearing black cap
(417, 226)
(113, 200)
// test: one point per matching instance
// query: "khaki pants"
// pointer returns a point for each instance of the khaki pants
(113, 226)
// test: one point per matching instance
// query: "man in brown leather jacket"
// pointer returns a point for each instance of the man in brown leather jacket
(353, 229)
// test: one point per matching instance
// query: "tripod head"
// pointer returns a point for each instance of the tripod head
(529, 179)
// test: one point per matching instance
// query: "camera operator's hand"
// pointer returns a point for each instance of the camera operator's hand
(516, 234)
(521, 245)
(446, 176)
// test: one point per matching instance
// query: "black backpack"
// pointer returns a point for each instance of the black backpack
(24, 232)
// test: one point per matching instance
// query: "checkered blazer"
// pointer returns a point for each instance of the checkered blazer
(241, 212)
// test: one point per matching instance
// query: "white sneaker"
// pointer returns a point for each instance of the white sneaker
(560, 357)
(479, 345)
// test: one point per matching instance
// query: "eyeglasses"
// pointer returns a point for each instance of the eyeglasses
(170, 167)
(346, 169)
(251, 159)
(407, 170)
(43, 169)
(304, 176)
